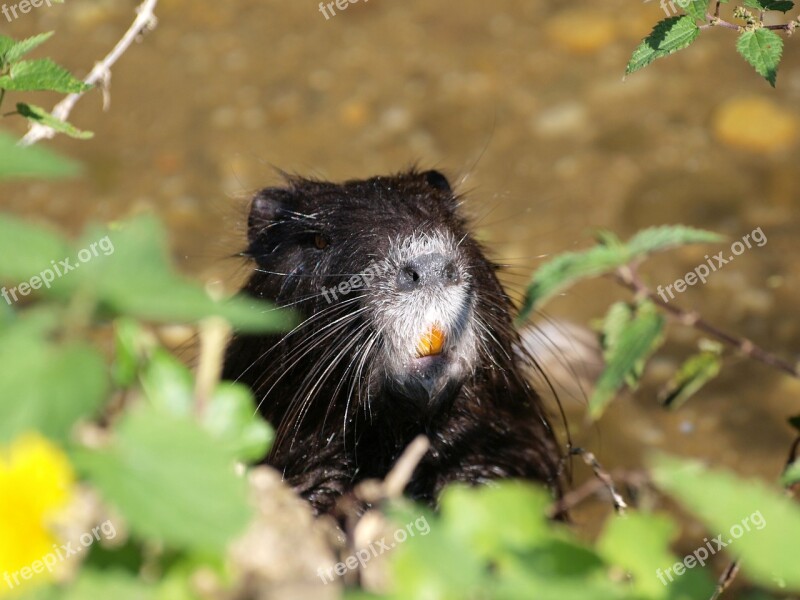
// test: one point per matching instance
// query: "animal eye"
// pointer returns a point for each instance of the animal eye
(320, 241)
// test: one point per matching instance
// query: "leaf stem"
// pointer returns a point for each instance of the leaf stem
(628, 277)
(145, 20)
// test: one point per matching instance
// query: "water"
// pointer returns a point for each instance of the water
(522, 103)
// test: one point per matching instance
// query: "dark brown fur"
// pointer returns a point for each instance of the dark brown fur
(491, 425)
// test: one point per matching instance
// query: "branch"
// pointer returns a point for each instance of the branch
(602, 475)
(145, 20)
(628, 277)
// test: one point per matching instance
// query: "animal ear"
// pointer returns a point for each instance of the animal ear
(265, 208)
(437, 181)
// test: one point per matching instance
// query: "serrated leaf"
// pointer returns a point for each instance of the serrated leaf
(6, 43)
(617, 319)
(754, 521)
(41, 74)
(20, 49)
(17, 162)
(696, 8)
(568, 268)
(667, 37)
(656, 239)
(639, 338)
(762, 48)
(778, 5)
(571, 267)
(171, 481)
(693, 374)
(39, 115)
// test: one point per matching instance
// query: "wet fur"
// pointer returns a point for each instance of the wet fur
(324, 385)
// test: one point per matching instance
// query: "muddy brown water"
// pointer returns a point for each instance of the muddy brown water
(522, 102)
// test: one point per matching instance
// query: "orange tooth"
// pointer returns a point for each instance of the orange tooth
(431, 342)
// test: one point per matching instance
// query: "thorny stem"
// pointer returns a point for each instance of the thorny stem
(630, 279)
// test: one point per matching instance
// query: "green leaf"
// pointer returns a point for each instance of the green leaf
(230, 414)
(639, 543)
(571, 267)
(779, 5)
(655, 239)
(116, 584)
(47, 387)
(792, 474)
(131, 344)
(568, 268)
(762, 48)
(695, 372)
(754, 521)
(494, 542)
(20, 49)
(6, 43)
(168, 385)
(132, 275)
(17, 162)
(41, 74)
(697, 9)
(42, 247)
(39, 115)
(667, 37)
(636, 341)
(231, 417)
(171, 481)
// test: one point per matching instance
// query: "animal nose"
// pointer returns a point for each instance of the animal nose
(427, 270)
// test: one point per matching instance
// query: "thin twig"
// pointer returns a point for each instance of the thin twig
(628, 277)
(590, 487)
(145, 20)
(726, 579)
(215, 333)
(619, 502)
(392, 486)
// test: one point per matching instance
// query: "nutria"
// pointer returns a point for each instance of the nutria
(404, 329)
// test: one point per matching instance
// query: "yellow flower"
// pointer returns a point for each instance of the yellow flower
(35, 484)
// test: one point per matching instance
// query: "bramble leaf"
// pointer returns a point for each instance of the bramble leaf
(667, 37)
(41, 116)
(762, 48)
(692, 376)
(41, 74)
(635, 341)
(20, 49)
